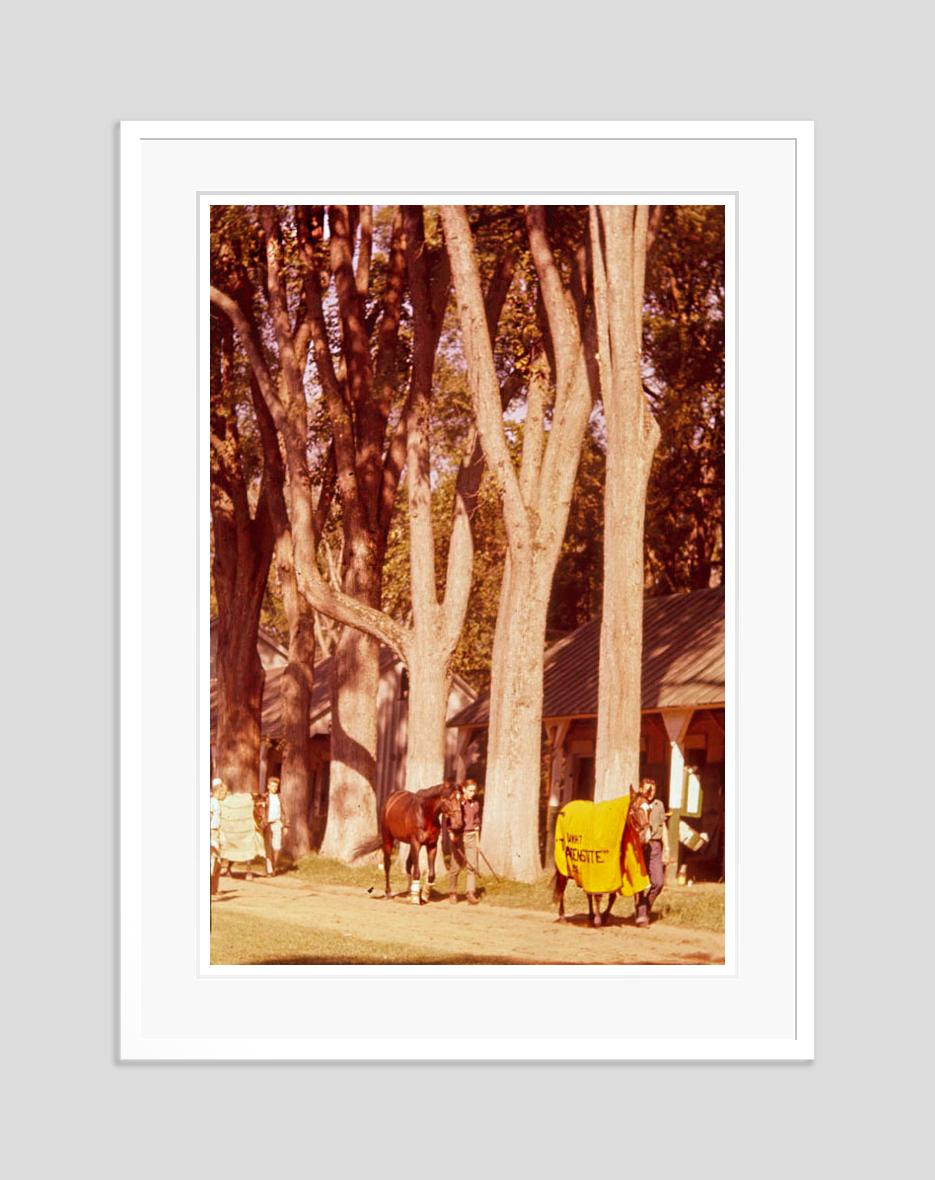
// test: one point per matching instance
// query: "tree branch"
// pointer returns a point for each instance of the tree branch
(339, 411)
(364, 250)
(350, 611)
(482, 376)
(354, 340)
(325, 493)
(251, 347)
(289, 371)
(418, 456)
(562, 326)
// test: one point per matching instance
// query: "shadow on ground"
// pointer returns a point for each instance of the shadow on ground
(440, 961)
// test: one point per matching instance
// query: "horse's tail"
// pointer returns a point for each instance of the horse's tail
(559, 881)
(368, 846)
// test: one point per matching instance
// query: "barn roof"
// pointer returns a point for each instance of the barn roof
(263, 636)
(320, 703)
(683, 661)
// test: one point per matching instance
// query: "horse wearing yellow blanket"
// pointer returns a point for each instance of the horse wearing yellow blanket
(597, 845)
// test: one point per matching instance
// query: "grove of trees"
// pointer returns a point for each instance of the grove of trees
(456, 432)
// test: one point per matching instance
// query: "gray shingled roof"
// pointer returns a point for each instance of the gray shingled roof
(683, 661)
(320, 703)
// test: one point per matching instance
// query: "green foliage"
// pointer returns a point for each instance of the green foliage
(683, 351)
(579, 577)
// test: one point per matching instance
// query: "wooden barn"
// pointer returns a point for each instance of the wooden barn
(272, 653)
(682, 742)
(392, 708)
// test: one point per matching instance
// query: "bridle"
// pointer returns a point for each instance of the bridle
(450, 810)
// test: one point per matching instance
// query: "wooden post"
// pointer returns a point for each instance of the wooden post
(465, 734)
(676, 724)
(557, 732)
(264, 765)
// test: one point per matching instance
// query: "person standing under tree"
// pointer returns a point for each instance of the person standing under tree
(218, 792)
(655, 837)
(274, 826)
(464, 847)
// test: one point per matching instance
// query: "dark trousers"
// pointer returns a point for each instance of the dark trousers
(652, 851)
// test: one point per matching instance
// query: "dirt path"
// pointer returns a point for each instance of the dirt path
(502, 934)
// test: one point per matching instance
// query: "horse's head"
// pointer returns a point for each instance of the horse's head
(450, 808)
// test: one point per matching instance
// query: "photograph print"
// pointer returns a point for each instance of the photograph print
(468, 561)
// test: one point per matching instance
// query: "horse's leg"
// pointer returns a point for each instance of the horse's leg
(563, 882)
(611, 898)
(430, 854)
(594, 908)
(415, 884)
(268, 850)
(387, 856)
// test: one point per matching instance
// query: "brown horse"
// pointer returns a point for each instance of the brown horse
(414, 818)
(629, 839)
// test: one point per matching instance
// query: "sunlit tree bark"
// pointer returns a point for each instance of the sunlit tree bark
(437, 623)
(618, 250)
(243, 547)
(535, 503)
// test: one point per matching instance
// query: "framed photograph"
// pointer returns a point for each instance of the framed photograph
(466, 582)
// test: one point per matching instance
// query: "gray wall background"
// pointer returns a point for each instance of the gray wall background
(71, 73)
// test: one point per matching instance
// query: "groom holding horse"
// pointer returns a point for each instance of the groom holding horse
(464, 844)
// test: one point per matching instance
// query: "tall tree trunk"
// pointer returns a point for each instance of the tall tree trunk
(243, 550)
(514, 743)
(359, 408)
(428, 708)
(618, 241)
(619, 714)
(352, 808)
(536, 502)
(297, 684)
(239, 695)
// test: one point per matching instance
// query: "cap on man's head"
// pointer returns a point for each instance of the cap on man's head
(217, 782)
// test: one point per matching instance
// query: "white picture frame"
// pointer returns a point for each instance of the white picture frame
(174, 1004)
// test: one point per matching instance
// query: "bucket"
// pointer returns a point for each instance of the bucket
(415, 888)
(694, 841)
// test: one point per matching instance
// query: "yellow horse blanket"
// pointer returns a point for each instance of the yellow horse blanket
(588, 838)
(240, 839)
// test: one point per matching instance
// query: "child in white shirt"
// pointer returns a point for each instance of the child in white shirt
(275, 825)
